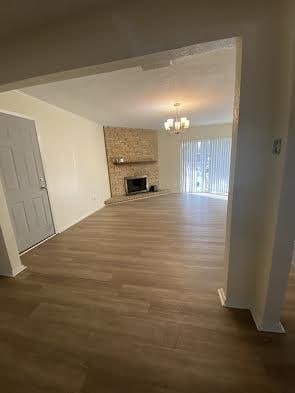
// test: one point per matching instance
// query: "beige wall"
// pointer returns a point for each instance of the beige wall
(169, 151)
(73, 154)
(132, 144)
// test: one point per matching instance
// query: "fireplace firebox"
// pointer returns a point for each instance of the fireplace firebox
(136, 185)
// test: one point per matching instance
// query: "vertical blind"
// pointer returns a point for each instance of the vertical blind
(205, 165)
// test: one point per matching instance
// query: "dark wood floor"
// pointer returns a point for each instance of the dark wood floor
(126, 301)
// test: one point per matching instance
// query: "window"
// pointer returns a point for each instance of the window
(205, 165)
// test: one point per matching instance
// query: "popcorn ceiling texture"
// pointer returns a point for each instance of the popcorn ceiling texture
(132, 144)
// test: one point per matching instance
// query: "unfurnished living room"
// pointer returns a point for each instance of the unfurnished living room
(147, 189)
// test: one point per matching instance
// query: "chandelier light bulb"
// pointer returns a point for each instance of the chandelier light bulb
(177, 125)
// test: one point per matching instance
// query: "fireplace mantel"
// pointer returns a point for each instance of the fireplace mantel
(134, 162)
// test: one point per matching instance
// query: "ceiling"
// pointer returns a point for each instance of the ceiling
(142, 96)
(18, 16)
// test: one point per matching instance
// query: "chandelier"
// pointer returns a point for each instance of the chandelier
(177, 125)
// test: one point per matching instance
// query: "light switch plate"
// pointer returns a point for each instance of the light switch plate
(277, 146)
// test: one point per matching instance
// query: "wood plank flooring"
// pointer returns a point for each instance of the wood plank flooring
(126, 301)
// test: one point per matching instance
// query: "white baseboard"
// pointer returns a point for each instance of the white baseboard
(17, 270)
(271, 328)
(224, 302)
(274, 328)
(222, 297)
(64, 228)
(14, 272)
(36, 245)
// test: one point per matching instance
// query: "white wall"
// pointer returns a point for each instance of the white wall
(169, 151)
(271, 278)
(73, 154)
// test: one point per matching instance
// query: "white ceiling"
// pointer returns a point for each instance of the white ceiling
(202, 80)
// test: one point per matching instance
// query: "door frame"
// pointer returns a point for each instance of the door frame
(22, 116)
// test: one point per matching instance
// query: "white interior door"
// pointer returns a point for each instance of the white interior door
(23, 181)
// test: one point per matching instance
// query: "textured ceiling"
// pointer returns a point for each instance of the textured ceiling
(200, 77)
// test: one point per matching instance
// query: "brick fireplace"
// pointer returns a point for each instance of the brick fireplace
(138, 151)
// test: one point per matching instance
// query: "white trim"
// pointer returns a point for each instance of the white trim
(275, 328)
(44, 166)
(225, 303)
(65, 227)
(15, 272)
(222, 296)
(36, 245)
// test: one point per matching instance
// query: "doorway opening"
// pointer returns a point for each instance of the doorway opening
(129, 101)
